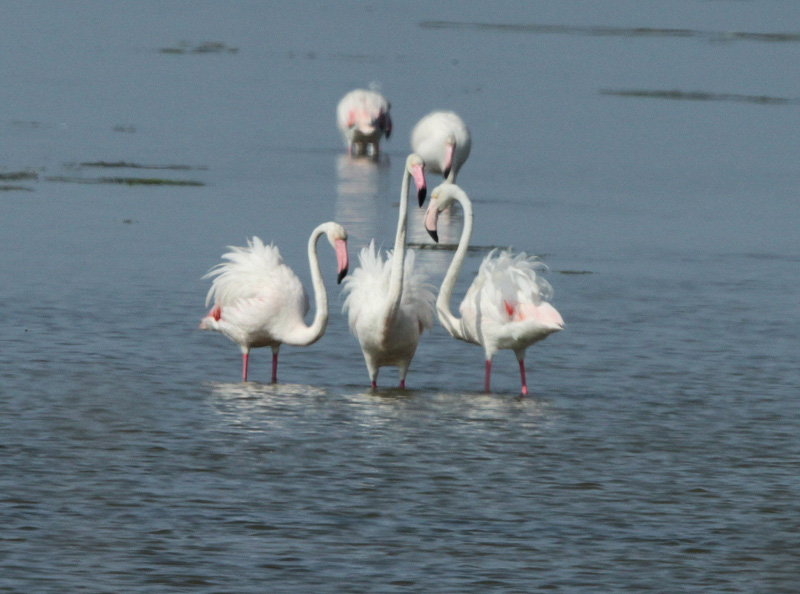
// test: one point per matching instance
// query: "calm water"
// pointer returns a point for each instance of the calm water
(648, 154)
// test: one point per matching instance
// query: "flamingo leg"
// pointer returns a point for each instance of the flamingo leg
(244, 366)
(488, 374)
(403, 384)
(522, 374)
(274, 368)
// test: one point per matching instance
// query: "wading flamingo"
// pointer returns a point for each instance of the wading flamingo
(442, 139)
(506, 306)
(363, 117)
(389, 302)
(259, 301)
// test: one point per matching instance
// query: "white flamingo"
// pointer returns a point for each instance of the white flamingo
(363, 117)
(442, 139)
(388, 302)
(506, 306)
(259, 301)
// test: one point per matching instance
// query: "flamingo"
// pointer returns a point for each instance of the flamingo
(363, 117)
(389, 302)
(506, 307)
(442, 139)
(259, 301)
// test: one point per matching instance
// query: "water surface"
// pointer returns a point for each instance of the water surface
(647, 154)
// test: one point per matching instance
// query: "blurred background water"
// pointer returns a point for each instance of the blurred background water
(647, 153)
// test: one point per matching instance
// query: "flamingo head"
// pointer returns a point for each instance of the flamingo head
(442, 196)
(415, 167)
(337, 236)
(384, 121)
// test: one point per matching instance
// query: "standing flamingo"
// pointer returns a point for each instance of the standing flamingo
(259, 301)
(442, 139)
(390, 303)
(506, 306)
(363, 117)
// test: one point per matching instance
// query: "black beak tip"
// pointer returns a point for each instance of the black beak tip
(434, 234)
(447, 173)
(421, 194)
(342, 274)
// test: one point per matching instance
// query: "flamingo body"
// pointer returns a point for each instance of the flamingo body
(363, 118)
(260, 302)
(389, 303)
(507, 306)
(443, 141)
(387, 341)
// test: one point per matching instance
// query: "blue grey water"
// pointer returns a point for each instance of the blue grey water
(647, 152)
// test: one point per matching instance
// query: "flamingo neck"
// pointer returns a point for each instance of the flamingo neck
(399, 254)
(305, 335)
(446, 317)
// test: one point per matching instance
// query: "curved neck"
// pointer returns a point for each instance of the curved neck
(446, 317)
(306, 335)
(399, 254)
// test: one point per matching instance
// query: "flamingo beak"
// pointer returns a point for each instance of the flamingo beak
(388, 125)
(448, 158)
(340, 245)
(431, 219)
(419, 179)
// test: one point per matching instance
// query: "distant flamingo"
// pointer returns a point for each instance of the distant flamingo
(259, 301)
(442, 139)
(389, 302)
(506, 307)
(363, 117)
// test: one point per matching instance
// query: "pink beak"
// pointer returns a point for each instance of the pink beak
(341, 258)
(431, 220)
(419, 179)
(448, 158)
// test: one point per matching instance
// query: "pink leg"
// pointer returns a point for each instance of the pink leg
(374, 384)
(274, 368)
(522, 374)
(488, 373)
(244, 366)
(403, 384)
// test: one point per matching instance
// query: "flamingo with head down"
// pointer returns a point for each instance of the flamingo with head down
(442, 139)
(363, 117)
(506, 307)
(259, 301)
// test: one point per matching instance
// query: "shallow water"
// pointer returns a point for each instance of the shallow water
(625, 145)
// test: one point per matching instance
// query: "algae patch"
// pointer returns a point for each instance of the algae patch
(19, 176)
(677, 95)
(128, 165)
(126, 179)
(205, 47)
(129, 181)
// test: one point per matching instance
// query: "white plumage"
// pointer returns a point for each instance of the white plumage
(443, 141)
(260, 302)
(385, 341)
(506, 307)
(363, 117)
(389, 303)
